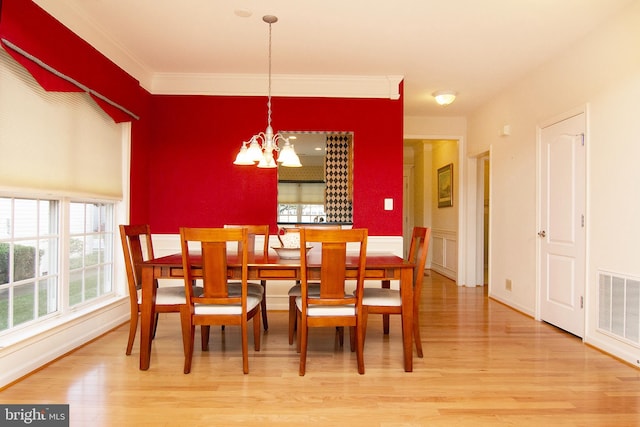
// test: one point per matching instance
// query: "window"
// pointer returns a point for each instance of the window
(301, 202)
(90, 251)
(29, 247)
(32, 279)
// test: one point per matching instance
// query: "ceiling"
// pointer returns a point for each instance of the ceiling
(476, 48)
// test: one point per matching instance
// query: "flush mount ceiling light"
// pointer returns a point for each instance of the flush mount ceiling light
(261, 147)
(444, 97)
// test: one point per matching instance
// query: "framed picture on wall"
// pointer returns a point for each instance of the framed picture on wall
(445, 186)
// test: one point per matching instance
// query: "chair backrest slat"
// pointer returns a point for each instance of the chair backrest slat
(333, 273)
(213, 263)
(333, 270)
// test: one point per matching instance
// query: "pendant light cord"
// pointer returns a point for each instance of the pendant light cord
(269, 97)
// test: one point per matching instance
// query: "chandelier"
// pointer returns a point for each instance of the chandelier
(265, 148)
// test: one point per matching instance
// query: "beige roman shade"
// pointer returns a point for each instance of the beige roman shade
(62, 142)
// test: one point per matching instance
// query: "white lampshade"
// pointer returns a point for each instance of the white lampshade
(288, 156)
(243, 157)
(267, 162)
(444, 97)
(254, 152)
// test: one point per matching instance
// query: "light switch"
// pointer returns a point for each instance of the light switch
(388, 204)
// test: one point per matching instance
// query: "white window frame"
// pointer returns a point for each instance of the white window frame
(65, 310)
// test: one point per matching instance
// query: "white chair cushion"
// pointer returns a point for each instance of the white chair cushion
(296, 290)
(235, 289)
(382, 297)
(252, 302)
(166, 295)
(327, 310)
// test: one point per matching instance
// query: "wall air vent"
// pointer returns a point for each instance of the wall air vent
(619, 306)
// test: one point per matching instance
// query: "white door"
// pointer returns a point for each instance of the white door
(562, 228)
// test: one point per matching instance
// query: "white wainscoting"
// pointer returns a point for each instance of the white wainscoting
(444, 252)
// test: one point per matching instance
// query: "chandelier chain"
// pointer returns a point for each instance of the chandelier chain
(269, 92)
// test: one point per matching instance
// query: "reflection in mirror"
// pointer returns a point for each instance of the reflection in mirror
(321, 190)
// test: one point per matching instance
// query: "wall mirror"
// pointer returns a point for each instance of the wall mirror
(321, 190)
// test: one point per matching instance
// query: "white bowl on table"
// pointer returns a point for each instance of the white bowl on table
(287, 252)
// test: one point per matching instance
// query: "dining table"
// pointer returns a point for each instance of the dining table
(383, 267)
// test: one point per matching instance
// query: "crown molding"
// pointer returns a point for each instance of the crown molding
(387, 87)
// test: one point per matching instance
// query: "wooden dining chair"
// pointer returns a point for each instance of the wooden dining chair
(138, 247)
(263, 231)
(295, 290)
(333, 306)
(217, 305)
(387, 301)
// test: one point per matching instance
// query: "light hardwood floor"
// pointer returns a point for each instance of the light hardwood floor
(484, 364)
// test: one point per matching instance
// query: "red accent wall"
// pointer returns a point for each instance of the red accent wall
(184, 159)
(32, 29)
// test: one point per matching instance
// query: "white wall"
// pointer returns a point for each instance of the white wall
(602, 72)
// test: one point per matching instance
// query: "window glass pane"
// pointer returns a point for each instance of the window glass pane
(26, 218)
(5, 248)
(76, 214)
(107, 282)
(48, 256)
(76, 252)
(23, 303)
(47, 296)
(5, 217)
(25, 260)
(91, 285)
(92, 251)
(48, 218)
(4, 309)
(75, 287)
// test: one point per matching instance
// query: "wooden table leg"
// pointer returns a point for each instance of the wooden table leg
(406, 293)
(147, 314)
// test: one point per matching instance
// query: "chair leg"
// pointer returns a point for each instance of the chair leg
(133, 326)
(205, 330)
(292, 318)
(155, 326)
(263, 304)
(298, 316)
(352, 338)
(365, 319)
(360, 346)
(188, 332)
(416, 334)
(303, 331)
(256, 332)
(245, 347)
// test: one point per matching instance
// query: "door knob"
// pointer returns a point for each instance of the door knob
(542, 233)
